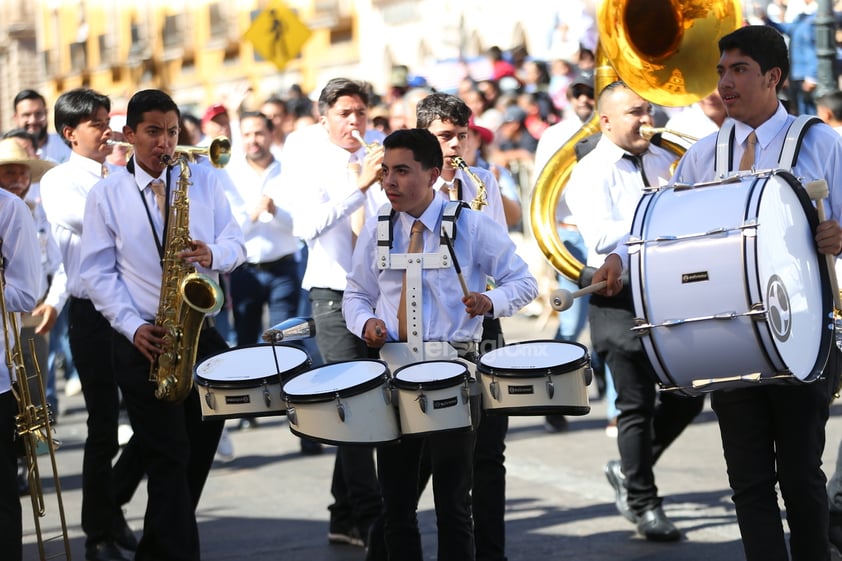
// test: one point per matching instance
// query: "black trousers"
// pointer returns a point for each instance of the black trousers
(11, 525)
(177, 449)
(776, 435)
(90, 337)
(354, 486)
(649, 421)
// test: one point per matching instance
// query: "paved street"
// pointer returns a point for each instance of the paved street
(269, 503)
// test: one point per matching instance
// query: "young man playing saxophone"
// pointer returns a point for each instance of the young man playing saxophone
(125, 245)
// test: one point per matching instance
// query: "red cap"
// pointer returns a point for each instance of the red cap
(214, 111)
(485, 134)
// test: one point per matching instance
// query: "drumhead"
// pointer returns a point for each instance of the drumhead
(345, 378)
(534, 358)
(792, 278)
(430, 375)
(251, 366)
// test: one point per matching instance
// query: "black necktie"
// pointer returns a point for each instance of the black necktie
(637, 160)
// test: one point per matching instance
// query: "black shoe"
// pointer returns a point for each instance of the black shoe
(555, 423)
(310, 447)
(124, 537)
(615, 476)
(835, 533)
(103, 551)
(655, 526)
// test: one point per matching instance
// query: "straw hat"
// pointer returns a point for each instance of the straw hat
(13, 153)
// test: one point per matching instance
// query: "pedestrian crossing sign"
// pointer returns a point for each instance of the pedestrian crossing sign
(277, 34)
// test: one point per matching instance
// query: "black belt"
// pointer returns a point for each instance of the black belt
(271, 264)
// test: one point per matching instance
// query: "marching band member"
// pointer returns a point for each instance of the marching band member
(771, 434)
(411, 166)
(123, 251)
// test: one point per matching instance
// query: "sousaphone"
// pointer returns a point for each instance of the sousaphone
(665, 50)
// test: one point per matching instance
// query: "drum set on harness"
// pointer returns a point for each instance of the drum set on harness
(373, 402)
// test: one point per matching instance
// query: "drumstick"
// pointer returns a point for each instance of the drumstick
(817, 190)
(456, 264)
(562, 299)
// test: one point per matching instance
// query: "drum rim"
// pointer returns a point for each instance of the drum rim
(323, 397)
(565, 368)
(276, 378)
(443, 383)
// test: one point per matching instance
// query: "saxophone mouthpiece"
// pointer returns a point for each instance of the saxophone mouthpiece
(292, 329)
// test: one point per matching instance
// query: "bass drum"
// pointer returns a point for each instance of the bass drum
(728, 288)
(246, 381)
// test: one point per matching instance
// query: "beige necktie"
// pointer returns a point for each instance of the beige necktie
(358, 216)
(747, 161)
(416, 245)
(158, 188)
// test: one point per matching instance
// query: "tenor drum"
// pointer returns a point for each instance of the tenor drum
(433, 396)
(536, 378)
(728, 288)
(246, 381)
(343, 403)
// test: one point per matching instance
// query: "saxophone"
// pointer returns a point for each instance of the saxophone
(186, 296)
(481, 199)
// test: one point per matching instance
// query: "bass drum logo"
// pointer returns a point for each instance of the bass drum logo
(778, 309)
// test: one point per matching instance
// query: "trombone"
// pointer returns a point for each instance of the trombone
(32, 423)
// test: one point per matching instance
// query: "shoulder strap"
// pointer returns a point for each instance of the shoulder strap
(449, 217)
(384, 235)
(794, 137)
(723, 160)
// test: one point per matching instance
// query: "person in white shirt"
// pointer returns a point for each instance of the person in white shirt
(82, 116)
(411, 166)
(31, 114)
(22, 272)
(123, 247)
(602, 193)
(327, 177)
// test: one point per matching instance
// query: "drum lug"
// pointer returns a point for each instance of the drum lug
(267, 397)
(291, 414)
(641, 327)
(550, 387)
(758, 312)
(387, 394)
(210, 399)
(494, 389)
(466, 392)
(422, 401)
(588, 372)
(340, 408)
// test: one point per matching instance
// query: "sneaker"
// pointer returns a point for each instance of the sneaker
(225, 448)
(72, 387)
(350, 536)
(555, 423)
(615, 476)
(611, 428)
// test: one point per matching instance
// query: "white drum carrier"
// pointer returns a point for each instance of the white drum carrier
(727, 284)
(246, 381)
(536, 378)
(343, 403)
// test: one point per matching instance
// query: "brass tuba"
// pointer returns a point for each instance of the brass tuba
(662, 49)
(186, 296)
(32, 423)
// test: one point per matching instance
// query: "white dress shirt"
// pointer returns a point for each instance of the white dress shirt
(603, 192)
(268, 238)
(55, 150)
(54, 292)
(120, 264)
(483, 248)
(23, 265)
(323, 195)
(551, 142)
(64, 190)
(469, 192)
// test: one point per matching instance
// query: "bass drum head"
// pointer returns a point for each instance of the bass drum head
(792, 278)
(430, 375)
(251, 366)
(537, 357)
(344, 378)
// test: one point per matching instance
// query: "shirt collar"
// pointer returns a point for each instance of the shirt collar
(612, 152)
(430, 217)
(142, 178)
(766, 132)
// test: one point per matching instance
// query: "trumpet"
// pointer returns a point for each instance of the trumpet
(648, 131)
(359, 138)
(218, 152)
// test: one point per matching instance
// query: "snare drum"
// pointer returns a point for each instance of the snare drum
(728, 288)
(246, 381)
(433, 397)
(536, 378)
(345, 402)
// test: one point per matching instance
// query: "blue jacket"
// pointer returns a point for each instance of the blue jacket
(802, 46)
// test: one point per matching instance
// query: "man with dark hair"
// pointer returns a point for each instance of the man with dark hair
(373, 309)
(82, 117)
(31, 114)
(829, 109)
(772, 435)
(328, 176)
(124, 244)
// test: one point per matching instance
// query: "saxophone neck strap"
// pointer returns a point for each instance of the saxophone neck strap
(160, 242)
